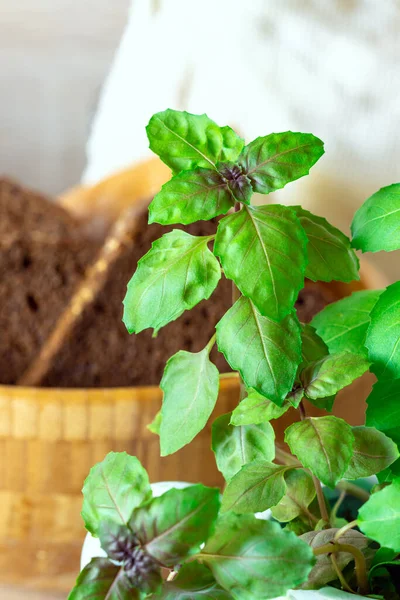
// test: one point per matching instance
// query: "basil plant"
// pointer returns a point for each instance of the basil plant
(324, 529)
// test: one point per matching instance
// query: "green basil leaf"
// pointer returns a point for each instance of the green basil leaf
(343, 325)
(256, 487)
(373, 452)
(194, 582)
(155, 425)
(379, 517)
(383, 335)
(383, 555)
(191, 196)
(323, 571)
(176, 274)
(263, 250)
(256, 409)
(113, 489)
(272, 161)
(322, 444)
(331, 374)
(297, 526)
(300, 492)
(264, 352)
(324, 403)
(330, 256)
(190, 384)
(173, 526)
(376, 224)
(383, 410)
(313, 348)
(102, 580)
(295, 397)
(256, 559)
(185, 141)
(237, 446)
(387, 475)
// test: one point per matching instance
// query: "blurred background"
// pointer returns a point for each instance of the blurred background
(80, 79)
(54, 57)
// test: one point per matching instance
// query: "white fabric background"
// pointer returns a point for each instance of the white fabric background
(328, 67)
(54, 56)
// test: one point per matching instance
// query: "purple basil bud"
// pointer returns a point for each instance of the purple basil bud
(142, 570)
(238, 183)
(118, 541)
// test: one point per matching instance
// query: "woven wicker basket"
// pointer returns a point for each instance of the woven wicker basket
(49, 438)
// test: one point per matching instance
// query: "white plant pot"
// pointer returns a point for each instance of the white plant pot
(92, 549)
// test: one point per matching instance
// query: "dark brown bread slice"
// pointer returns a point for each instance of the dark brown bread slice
(42, 258)
(100, 352)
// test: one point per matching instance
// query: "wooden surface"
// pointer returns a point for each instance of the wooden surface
(17, 593)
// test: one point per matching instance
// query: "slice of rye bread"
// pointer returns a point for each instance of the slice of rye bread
(98, 351)
(42, 259)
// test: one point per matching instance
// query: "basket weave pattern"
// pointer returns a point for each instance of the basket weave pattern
(49, 440)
